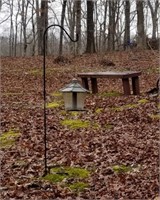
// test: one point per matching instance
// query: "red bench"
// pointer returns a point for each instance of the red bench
(134, 75)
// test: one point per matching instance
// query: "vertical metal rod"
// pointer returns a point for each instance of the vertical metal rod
(44, 99)
(44, 90)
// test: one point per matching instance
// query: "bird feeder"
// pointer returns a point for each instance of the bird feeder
(74, 96)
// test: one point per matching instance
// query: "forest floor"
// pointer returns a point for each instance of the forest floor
(116, 140)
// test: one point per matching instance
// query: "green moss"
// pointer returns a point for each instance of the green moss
(35, 72)
(54, 177)
(7, 139)
(131, 106)
(156, 116)
(65, 174)
(127, 106)
(53, 105)
(99, 110)
(125, 169)
(63, 112)
(111, 94)
(19, 163)
(152, 70)
(95, 125)
(121, 168)
(108, 126)
(71, 177)
(143, 101)
(75, 123)
(74, 113)
(71, 172)
(118, 109)
(56, 94)
(78, 186)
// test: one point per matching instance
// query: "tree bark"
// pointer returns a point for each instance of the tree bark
(11, 37)
(112, 25)
(78, 25)
(90, 28)
(154, 17)
(62, 24)
(127, 24)
(104, 26)
(43, 24)
(141, 37)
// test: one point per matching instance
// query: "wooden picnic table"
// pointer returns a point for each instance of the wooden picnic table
(125, 75)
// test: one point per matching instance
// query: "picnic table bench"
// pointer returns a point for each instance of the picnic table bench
(134, 75)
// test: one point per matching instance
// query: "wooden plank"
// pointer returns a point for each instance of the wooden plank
(135, 85)
(85, 83)
(110, 74)
(126, 87)
(94, 85)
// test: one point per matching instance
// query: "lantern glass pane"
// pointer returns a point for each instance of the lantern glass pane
(67, 100)
(80, 100)
(70, 103)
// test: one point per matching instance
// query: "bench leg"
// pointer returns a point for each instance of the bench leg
(94, 85)
(126, 86)
(135, 85)
(85, 83)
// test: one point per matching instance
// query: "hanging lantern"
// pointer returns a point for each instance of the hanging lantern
(74, 96)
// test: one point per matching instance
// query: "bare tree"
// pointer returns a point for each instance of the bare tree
(11, 37)
(78, 25)
(16, 29)
(62, 24)
(141, 37)
(112, 24)
(90, 48)
(72, 19)
(154, 12)
(127, 24)
(42, 24)
(24, 24)
(105, 24)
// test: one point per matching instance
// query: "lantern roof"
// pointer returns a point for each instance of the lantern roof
(74, 86)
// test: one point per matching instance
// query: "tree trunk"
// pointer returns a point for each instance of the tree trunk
(78, 25)
(141, 38)
(112, 26)
(43, 24)
(11, 37)
(127, 24)
(90, 28)
(72, 20)
(33, 31)
(39, 39)
(104, 26)
(24, 25)
(62, 24)
(154, 17)
(16, 30)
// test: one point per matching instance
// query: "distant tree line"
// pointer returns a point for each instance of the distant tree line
(102, 25)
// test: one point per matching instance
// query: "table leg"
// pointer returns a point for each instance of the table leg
(85, 83)
(126, 86)
(135, 85)
(94, 85)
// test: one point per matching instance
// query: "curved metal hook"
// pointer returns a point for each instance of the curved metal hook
(77, 37)
(44, 88)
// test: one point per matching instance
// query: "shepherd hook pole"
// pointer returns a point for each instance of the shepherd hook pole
(44, 89)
